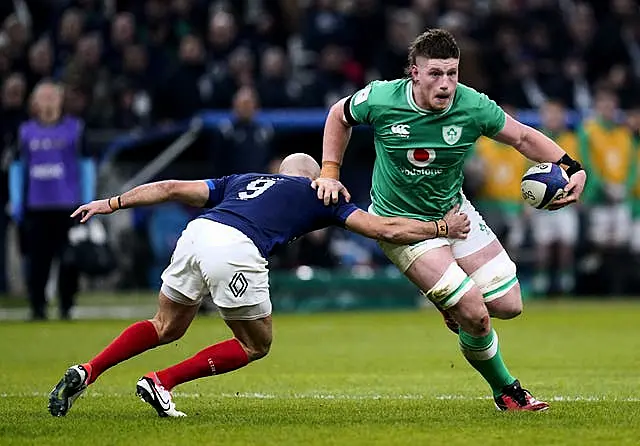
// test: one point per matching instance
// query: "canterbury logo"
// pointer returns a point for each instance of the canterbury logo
(401, 130)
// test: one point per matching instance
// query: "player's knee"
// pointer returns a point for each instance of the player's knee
(168, 330)
(508, 306)
(498, 283)
(471, 314)
(258, 348)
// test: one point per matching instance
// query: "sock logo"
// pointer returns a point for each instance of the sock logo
(212, 365)
(238, 284)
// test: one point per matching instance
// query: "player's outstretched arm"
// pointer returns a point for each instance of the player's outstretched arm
(337, 132)
(193, 193)
(538, 147)
(401, 230)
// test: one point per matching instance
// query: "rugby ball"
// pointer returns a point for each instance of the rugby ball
(542, 184)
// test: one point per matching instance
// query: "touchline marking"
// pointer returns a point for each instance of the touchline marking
(334, 396)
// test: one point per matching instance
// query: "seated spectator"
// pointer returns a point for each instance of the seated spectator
(41, 61)
(186, 90)
(276, 87)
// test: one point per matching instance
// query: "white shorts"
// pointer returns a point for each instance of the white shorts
(610, 224)
(480, 236)
(217, 260)
(555, 226)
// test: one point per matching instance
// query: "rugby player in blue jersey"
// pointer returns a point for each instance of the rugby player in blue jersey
(223, 253)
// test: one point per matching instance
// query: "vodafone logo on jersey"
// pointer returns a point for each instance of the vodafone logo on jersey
(421, 157)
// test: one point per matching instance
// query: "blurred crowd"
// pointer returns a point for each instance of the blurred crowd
(137, 64)
(134, 63)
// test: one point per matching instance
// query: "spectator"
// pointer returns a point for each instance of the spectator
(69, 32)
(18, 37)
(88, 75)
(222, 39)
(55, 175)
(608, 151)
(498, 198)
(12, 114)
(41, 60)
(392, 58)
(244, 145)
(276, 88)
(555, 234)
(123, 34)
(324, 25)
(331, 82)
(186, 90)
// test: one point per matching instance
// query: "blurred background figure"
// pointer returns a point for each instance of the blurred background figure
(497, 170)
(12, 114)
(51, 175)
(555, 233)
(244, 144)
(608, 150)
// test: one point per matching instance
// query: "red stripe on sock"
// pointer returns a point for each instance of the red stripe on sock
(214, 360)
(134, 340)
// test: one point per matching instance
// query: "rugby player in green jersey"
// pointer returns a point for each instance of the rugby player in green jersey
(424, 126)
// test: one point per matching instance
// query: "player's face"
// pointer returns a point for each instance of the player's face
(434, 81)
(47, 101)
(553, 117)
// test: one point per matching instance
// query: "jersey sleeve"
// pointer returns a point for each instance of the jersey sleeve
(358, 110)
(341, 211)
(489, 115)
(216, 191)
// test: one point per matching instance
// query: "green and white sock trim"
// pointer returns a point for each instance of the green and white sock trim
(479, 349)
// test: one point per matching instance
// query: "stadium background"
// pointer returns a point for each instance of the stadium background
(232, 86)
(357, 377)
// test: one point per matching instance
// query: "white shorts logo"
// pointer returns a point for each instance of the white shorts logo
(421, 157)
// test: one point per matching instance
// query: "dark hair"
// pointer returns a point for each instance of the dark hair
(433, 44)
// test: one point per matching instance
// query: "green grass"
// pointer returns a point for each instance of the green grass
(341, 379)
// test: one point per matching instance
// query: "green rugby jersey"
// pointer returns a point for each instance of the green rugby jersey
(420, 154)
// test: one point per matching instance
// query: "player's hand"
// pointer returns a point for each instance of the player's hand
(458, 223)
(86, 211)
(573, 190)
(329, 190)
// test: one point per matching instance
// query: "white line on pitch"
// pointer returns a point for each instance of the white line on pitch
(334, 396)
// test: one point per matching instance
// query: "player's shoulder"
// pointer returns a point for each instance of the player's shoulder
(470, 97)
(379, 91)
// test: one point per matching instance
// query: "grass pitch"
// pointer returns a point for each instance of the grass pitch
(341, 379)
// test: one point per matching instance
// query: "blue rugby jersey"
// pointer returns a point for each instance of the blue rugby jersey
(272, 210)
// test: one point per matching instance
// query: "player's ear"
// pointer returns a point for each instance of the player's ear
(413, 70)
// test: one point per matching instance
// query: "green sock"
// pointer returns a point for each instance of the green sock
(483, 354)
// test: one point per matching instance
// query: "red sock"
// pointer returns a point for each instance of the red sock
(134, 340)
(214, 360)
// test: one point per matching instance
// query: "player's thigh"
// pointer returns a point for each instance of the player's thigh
(255, 335)
(601, 225)
(232, 269)
(182, 280)
(494, 273)
(439, 277)
(567, 225)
